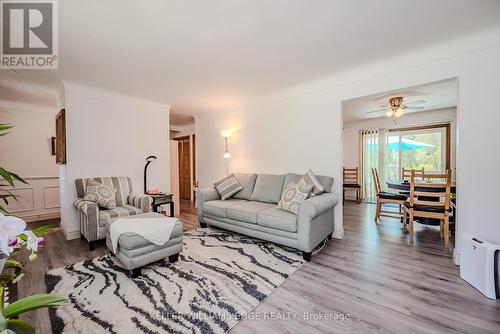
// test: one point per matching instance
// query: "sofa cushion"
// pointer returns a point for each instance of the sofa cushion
(218, 208)
(247, 181)
(119, 211)
(293, 195)
(123, 186)
(310, 179)
(325, 181)
(268, 188)
(100, 194)
(278, 219)
(247, 211)
(227, 186)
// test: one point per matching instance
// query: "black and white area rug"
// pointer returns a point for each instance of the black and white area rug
(220, 277)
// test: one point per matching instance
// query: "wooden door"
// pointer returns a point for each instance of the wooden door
(184, 168)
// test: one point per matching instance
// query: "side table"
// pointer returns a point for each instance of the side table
(160, 199)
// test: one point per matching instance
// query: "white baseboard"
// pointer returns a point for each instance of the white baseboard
(71, 235)
(456, 256)
(43, 216)
(338, 234)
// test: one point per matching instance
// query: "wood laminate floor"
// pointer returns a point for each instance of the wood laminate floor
(371, 281)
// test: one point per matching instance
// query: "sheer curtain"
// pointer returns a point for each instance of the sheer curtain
(373, 155)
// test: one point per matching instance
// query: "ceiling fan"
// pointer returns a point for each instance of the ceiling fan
(397, 107)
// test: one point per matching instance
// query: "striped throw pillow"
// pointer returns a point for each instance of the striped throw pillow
(228, 186)
(310, 179)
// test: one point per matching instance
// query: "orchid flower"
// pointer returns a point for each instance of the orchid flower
(10, 227)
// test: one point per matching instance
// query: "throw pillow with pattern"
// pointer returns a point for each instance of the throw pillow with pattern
(311, 180)
(227, 186)
(293, 195)
(100, 194)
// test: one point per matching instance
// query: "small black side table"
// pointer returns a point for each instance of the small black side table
(160, 199)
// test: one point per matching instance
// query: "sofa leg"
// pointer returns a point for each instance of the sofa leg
(203, 225)
(307, 256)
(330, 236)
(173, 258)
(134, 273)
(82, 237)
(91, 245)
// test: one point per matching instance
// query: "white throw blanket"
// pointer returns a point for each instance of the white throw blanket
(155, 230)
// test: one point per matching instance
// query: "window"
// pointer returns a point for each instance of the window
(418, 147)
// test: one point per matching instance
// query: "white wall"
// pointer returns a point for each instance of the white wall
(302, 127)
(351, 132)
(111, 135)
(26, 150)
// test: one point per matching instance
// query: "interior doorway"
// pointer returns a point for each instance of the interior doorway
(183, 161)
(184, 167)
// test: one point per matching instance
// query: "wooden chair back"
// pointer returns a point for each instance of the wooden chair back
(432, 186)
(376, 180)
(351, 175)
(406, 173)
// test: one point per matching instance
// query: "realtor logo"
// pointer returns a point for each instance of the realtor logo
(29, 34)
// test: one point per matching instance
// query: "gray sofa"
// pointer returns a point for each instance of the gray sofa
(252, 211)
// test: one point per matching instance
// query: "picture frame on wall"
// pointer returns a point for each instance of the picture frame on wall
(61, 137)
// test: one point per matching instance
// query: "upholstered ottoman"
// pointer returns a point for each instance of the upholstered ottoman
(135, 252)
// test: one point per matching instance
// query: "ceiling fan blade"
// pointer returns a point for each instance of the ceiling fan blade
(416, 102)
(374, 111)
(414, 108)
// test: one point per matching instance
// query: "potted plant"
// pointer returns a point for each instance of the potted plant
(13, 238)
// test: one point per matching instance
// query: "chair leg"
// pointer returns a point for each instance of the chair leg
(377, 211)
(343, 197)
(441, 227)
(446, 234)
(307, 256)
(404, 221)
(411, 226)
(134, 273)
(173, 258)
(91, 245)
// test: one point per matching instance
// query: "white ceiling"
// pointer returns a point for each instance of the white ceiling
(438, 95)
(208, 55)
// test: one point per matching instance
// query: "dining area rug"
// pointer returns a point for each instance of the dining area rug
(219, 279)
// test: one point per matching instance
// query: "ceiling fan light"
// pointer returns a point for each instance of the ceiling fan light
(389, 113)
(399, 112)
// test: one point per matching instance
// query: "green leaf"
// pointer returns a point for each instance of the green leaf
(42, 230)
(32, 303)
(12, 264)
(20, 326)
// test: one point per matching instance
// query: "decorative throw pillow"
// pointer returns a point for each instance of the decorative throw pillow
(293, 195)
(100, 194)
(227, 186)
(311, 180)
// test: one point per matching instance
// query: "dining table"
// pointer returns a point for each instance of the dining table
(403, 186)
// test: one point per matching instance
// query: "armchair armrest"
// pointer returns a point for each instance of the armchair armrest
(89, 218)
(206, 194)
(86, 207)
(141, 201)
(316, 205)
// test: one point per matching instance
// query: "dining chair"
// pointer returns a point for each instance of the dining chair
(406, 173)
(351, 182)
(385, 197)
(429, 198)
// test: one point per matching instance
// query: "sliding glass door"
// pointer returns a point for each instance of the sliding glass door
(389, 151)
(414, 149)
